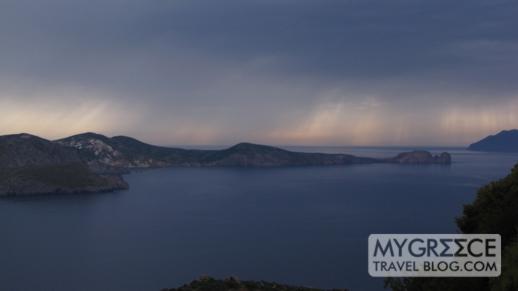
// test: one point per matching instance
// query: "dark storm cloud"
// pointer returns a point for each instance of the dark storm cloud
(351, 38)
(215, 60)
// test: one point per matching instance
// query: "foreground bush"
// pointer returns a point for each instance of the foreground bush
(233, 284)
(495, 210)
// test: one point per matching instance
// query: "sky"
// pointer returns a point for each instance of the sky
(283, 72)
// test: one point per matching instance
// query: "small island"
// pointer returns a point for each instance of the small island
(91, 162)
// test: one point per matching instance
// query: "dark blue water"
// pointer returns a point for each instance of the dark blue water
(304, 226)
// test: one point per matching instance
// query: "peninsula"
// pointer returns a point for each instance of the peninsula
(91, 162)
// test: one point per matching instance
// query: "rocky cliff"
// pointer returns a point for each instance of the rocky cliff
(32, 165)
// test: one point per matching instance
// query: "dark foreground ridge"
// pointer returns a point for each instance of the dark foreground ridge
(92, 162)
(504, 141)
(232, 284)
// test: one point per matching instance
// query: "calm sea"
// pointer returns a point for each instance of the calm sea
(303, 226)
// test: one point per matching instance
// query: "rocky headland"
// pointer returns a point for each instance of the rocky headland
(420, 158)
(32, 165)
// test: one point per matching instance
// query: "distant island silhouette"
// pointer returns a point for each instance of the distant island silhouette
(504, 141)
(91, 162)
